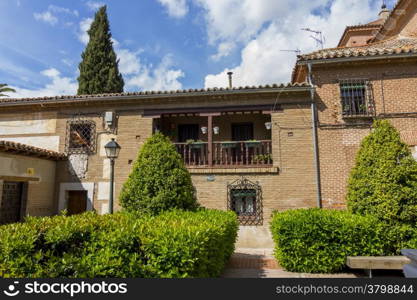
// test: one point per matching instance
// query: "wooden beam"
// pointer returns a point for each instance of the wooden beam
(206, 110)
(213, 114)
(210, 140)
(18, 178)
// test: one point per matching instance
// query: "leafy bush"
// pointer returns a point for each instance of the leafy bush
(397, 237)
(173, 244)
(384, 181)
(159, 180)
(318, 241)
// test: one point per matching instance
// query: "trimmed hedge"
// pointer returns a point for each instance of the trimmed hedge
(318, 241)
(171, 245)
(159, 180)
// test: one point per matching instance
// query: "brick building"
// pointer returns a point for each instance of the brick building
(375, 78)
(250, 149)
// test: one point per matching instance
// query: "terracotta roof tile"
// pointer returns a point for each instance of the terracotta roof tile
(391, 46)
(177, 93)
(17, 148)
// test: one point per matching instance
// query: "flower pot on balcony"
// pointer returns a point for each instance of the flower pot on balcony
(228, 145)
(252, 144)
(197, 145)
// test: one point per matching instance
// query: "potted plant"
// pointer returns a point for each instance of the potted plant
(252, 143)
(199, 144)
(228, 144)
(262, 158)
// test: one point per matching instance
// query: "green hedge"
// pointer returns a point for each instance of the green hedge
(318, 241)
(173, 244)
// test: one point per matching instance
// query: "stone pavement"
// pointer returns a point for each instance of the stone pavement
(260, 263)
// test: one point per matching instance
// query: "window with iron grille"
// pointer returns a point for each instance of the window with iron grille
(356, 98)
(81, 137)
(245, 199)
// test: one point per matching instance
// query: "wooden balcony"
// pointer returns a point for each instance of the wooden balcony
(226, 154)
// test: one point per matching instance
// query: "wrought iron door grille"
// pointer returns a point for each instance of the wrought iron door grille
(356, 97)
(245, 199)
(81, 137)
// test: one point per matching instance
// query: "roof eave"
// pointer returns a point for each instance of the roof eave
(42, 102)
(355, 58)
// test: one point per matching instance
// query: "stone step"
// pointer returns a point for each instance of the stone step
(253, 258)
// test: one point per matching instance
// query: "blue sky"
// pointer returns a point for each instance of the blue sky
(168, 44)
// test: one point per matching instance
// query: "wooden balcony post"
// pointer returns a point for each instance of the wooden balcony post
(210, 140)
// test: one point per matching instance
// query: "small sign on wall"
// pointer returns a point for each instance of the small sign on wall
(30, 171)
(211, 178)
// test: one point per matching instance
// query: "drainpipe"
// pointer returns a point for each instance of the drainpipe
(315, 136)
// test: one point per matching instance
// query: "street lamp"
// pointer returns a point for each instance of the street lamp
(112, 152)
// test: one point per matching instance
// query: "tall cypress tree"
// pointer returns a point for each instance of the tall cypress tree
(99, 70)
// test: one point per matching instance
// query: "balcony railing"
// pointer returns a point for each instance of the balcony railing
(227, 153)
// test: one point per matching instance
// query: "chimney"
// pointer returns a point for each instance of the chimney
(385, 12)
(230, 79)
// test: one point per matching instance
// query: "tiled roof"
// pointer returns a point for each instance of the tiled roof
(156, 94)
(17, 148)
(370, 26)
(392, 46)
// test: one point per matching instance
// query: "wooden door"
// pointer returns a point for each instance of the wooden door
(11, 202)
(77, 202)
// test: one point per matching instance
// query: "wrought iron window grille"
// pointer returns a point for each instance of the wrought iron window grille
(244, 197)
(81, 136)
(356, 98)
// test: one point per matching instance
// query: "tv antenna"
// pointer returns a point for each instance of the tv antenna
(318, 36)
(296, 51)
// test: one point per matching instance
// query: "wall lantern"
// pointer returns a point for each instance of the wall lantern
(216, 130)
(268, 125)
(204, 130)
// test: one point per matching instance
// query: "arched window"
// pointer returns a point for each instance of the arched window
(245, 198)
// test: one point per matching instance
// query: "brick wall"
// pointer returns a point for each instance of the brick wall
(289, 184)
(394, 89)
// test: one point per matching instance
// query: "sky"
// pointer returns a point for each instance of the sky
(169, 44)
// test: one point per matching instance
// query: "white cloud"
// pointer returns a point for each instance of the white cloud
(59, 9)
(94, 5)
(50, 15)
(84, 26)
(224, 49)
(46, 17)
(163, 77)
(129, 61)
(58, 86)
(175, 8)
(264, 27)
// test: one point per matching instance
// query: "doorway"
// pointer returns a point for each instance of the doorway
(77, 202)
(188, 132)
(11, 202)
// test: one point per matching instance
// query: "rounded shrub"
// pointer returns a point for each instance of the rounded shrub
(159, 180)
(383, 182)
(318, 241)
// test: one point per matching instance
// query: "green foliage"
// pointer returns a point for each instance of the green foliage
(173, 244)
(318, 241)
(159, 180)
(99, 70)
(384, 181)
(5, 89)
